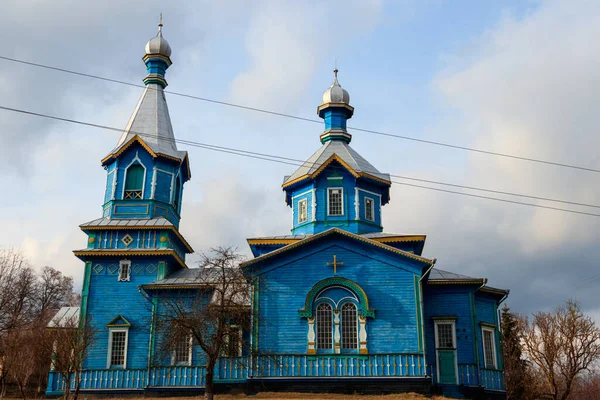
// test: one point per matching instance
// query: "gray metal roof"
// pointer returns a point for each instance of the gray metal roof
(65, 317)
(191, 276)
(373, 235)
(127, 222)
(441, 275)
(343, 151)
(151, 122)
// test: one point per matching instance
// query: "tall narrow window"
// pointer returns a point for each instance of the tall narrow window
(335, 201)
(182, 351)
(177, 194)
(489, 348)
(134, 182)
(117, 356)
(369, 208)
(233, 342)
(349, 327)
(124, 271)
(302, 211)
(324, 326)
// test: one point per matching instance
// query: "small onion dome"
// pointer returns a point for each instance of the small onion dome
(158, 45)
(335, 93)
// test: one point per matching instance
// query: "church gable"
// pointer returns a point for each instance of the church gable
(335, 237)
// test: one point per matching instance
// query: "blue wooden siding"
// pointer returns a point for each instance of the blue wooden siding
(109, 298)
(157, 200)
(486, 312)
(387, 280)
(335, 176)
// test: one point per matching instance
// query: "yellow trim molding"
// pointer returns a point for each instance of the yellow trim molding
(399, 238)
(343, 233)
(125, 253)
(335, 157)
(123, 228)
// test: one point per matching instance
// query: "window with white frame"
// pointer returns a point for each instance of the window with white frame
(335, 202)
(233, 342)
(369, 209)
(349, 327)
(324, 327)
(302, 211)
(117, 348)
(182, 350)
(124, 271)
(489, 347)
(445, 335)
(134, 181)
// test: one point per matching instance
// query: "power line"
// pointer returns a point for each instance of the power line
(270, 112)
(294, 162)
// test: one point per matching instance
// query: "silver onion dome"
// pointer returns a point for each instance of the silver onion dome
(335, 93)
(158, 44)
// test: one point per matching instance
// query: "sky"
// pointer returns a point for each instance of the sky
(519, 77)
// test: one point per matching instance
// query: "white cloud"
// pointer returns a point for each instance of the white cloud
(287, 41)
(530, 87)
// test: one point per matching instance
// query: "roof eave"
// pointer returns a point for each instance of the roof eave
(343, 233)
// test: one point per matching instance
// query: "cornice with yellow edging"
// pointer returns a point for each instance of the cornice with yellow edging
(137, 138)
(103, 252)
(149, 56)
(343, 233)
(340, 105)
(123, 228)
(394, 239)
(391, 239)
(335, 157)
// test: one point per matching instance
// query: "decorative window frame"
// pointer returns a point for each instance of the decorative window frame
(444, 321)
(120, 277)
(239, 332)
(300, 204)
(492, 332)
(190, 348)
(134, 161)
(363, 311)
(329, 189)
(111, 331)
(372, 202)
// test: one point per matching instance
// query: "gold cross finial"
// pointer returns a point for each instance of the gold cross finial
(335, 263)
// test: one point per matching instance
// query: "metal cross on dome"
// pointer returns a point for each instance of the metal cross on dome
(335, 263)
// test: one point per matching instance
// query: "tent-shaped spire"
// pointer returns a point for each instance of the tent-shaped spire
(150, 120)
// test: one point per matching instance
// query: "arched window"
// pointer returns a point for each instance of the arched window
(134, 182)
(349, 327)
(324, 326)
(177, 194)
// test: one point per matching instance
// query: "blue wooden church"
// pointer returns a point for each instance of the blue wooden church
(340, 305)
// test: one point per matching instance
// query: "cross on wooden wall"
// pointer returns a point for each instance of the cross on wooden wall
(335, 263)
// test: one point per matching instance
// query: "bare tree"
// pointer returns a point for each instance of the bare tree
(562, 344)
(69, 343)
(22, 356)
(54, 290)
(217, 298)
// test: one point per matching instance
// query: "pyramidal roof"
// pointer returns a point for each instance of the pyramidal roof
(342, 150)
(151, 122)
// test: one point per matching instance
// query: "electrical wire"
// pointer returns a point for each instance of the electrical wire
(270, 112)
(298, 163)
